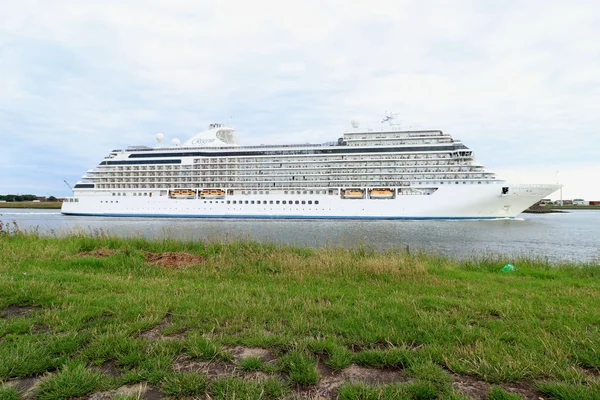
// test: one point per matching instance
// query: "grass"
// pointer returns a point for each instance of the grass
(72, 380)
(31, 204)
(427, 316)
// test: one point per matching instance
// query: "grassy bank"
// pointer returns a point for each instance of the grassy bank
(127, 318)
(31, 204)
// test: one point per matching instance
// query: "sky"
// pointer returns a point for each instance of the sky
(516, 81)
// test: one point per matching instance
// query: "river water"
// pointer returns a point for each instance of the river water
(572, 236)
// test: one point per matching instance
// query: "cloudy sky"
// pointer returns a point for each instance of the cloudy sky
(517, 81)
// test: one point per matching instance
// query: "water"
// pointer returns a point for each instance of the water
(573, 236)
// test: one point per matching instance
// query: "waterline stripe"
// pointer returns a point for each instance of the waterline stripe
(282, 216)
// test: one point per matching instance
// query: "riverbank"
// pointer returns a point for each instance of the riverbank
(116, 317)
(31, 204)
(571, 207)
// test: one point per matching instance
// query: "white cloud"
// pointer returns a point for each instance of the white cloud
(515, 80)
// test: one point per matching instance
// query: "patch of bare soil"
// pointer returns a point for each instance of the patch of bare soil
(15, 311)
(174, 260)
(241, 352)
(155, 333)
(97, 253)
(213, 369)
(331, 380)
(139, 390)
(108, 368)
(477, 389)
(26, 386)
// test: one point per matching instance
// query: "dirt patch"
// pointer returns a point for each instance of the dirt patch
(524, 389)
(477, 389)
(155, 333)
(213, 369)
(471, 386)
(37, 328)
(174, 260)
(331, 380)
(16, 311)
(153, 394)
(241, 352)
(108, 368)
(372, 376)
(97, 253)
(27, 386)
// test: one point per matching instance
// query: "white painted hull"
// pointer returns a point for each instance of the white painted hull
(448, 202)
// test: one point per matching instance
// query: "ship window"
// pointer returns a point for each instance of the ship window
(456, 183)
(304, 192)
(311, 192)
(246, 201)
(284, 202)
(254, 192)
(145, 194)
(297, 192)
(124, 194)
(285, 192)
(310, 202)
(135, 194)
(252, 202)
(260, 192)
(76, 200)
(270, 201)
(297, 202)
(316, 201)
(277, 202)
(303, 202)
(210, 202)
(114, 194)
(228, 202)
(118, 194)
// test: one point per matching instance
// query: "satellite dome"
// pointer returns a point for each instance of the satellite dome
(176, 142)
(355, 123)
(160, 137)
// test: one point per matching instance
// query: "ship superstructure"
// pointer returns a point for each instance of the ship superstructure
(387, 173)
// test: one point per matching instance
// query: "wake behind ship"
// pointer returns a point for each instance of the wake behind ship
(366, 174)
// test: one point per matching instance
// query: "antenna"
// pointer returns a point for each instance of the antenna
(390, 117)
(67, 183)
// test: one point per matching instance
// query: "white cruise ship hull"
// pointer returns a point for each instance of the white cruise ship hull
(462, 201)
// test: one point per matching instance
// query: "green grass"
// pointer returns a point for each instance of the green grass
(72, 380)
(31, 204)
(184, 384)
(9, 393)
(426, 316)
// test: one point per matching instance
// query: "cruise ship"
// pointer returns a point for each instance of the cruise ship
(385, 173)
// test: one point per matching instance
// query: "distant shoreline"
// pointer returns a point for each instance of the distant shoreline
(31, 204)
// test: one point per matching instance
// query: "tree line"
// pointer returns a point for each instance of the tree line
(24, 197)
